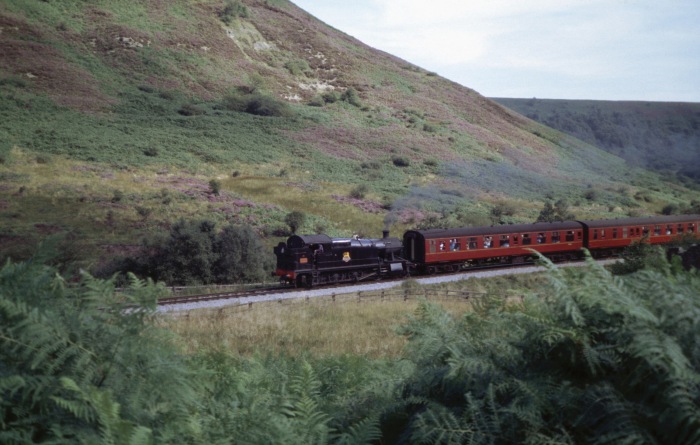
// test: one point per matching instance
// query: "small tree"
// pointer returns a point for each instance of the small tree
(547, 214)
(295, 220)
(241, 256)
(557, 212)
(562, 210)
(187, 255)
(214, 187)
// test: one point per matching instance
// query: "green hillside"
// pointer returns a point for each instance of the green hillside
(119, 118)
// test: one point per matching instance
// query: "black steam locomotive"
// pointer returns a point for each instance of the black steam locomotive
(310, 260)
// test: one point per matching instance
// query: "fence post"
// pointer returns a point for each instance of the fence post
(250, 306)
(405, 295)
(333, 297)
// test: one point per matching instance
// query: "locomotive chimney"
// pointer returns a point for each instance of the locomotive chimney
(385, 234)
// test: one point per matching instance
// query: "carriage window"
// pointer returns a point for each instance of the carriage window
(614, 233)
(669, 229)
(488, 242)
(455, 244)
(505, 241)
(624, 232)
(555, 237)
(472, 243)
(515, 240)
(541, 238)
(595, 233)
(432, 246)
(657, 230)
(443, 246)
(527, 240)
(691, 227)
(570, 235)
(602, 233)
(680, 228)
(645, 231)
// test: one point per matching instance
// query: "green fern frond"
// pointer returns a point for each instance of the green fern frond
(437, 425)
(364, 432)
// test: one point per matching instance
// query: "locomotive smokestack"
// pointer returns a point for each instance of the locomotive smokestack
(385, 234)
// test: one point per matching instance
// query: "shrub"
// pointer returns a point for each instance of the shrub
(262, 105)
(359, 191)
(429, 128)
(671, 209)
(144, 212)
(255, 103)
(117, 196)
(330, 97)
(500, 210)
(233, 9)
(350, 96)
(295, 220)
(591, 195)
(190, 110)
(317, 101)
(298, 67)
(400, 161)
(214, 187)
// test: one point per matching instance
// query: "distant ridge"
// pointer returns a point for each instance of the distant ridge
(662, 136)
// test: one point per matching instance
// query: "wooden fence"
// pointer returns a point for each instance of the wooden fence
(361, 297)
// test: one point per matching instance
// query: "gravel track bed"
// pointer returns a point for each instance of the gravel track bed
(373, 286)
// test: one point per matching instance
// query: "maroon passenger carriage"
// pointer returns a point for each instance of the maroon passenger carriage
(610, 236)
(445, 250)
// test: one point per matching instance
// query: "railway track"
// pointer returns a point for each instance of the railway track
(277, 290)
(222, 295)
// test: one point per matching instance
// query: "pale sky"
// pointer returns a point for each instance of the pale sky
(549, 49)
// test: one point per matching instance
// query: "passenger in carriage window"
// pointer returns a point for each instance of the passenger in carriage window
(442, 246)
(540, 238)
(487, 242)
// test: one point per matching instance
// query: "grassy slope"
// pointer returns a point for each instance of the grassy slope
(113, 122)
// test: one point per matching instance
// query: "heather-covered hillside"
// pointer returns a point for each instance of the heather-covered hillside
(120, 118)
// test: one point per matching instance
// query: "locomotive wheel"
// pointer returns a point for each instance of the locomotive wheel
(304, 280)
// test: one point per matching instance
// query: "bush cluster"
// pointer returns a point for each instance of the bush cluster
(195, 252)
(256, 103)
(233, 9)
